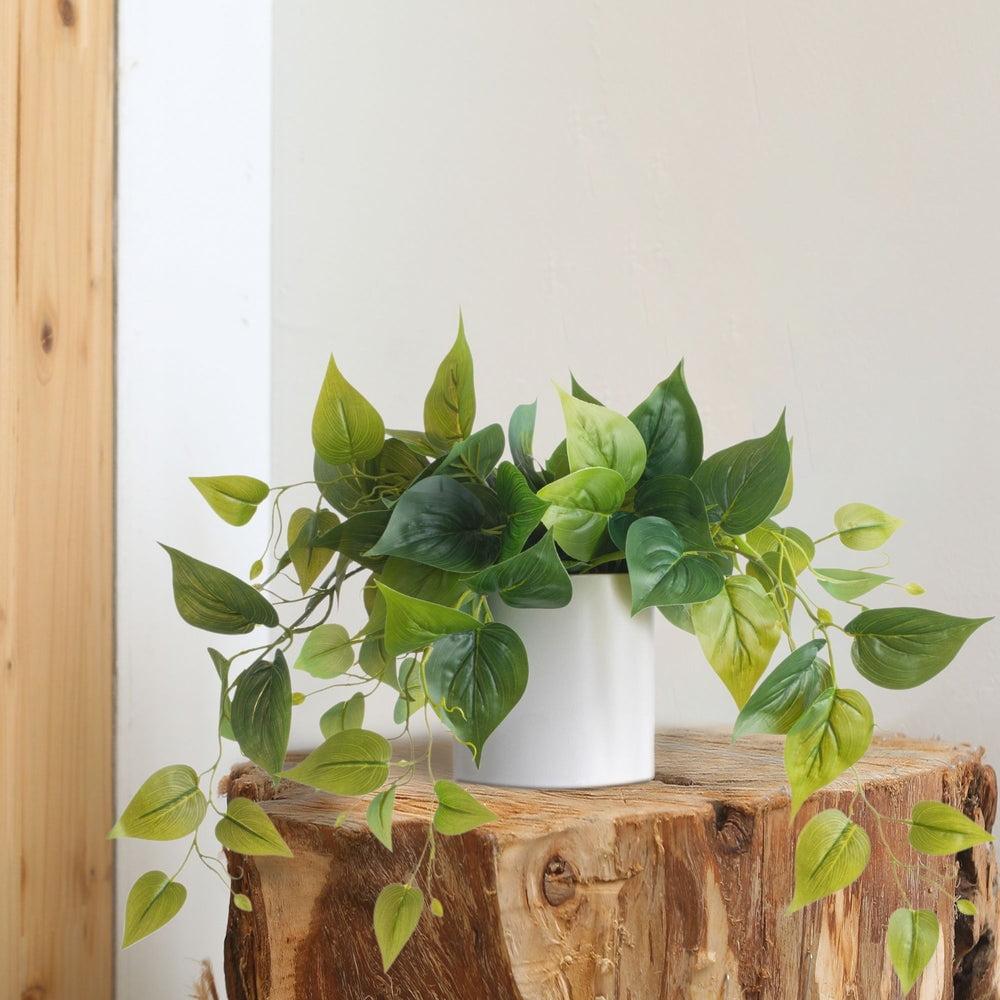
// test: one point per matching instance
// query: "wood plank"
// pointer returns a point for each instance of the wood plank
(56, 497)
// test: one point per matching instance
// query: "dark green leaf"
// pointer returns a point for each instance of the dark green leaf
(233, 498)
(357, 534)
(535, 578)
(417, 580)
(671, 428)
(520, 434)
(450, 407)
(346, 489)
(476, 456)
(557, 464)
(222, 665)
(830, 854)
(346, 427)
(412, 623)
(411, 691)
(352, 762)
(262, 712)
(679, 615)
(398, 466)
(523, 508)
(578, 392)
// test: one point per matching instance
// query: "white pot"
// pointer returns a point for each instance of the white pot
(586, 717)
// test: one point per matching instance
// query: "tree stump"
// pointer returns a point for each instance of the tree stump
(675, 888)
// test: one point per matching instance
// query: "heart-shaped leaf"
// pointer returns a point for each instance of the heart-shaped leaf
(903, 647)
(397, 913)
(670, 427)
(792, 545)
(234, 498)
(327, 652)
(458, 812)
(939, 829)
(379, 815)
(413, 624)
(830, 854)
(863, 527)
(535, 578)
(210, 598)
(346, 428)
(347, 488)
(738, 630)
(520, 435)
(421, 443)
(597, 437)
(348, 714)
(832, 735)
(247, 829)
(450, 407)
(848, 584)
(475, 457)
(262, 712)
(744, 483)
(417, 580)
(911, 940)
(522, 507)
(580, 506)
(168, 805)
(353, 762)
(355, 535)
(787, 692)
(475, 679)
(411, 691)
(309, 558)
(153, 901)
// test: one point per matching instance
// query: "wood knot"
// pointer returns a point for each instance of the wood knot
(733, 828)
(558, 881)
(48, 336)
(67, 13)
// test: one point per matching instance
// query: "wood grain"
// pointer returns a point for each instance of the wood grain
(667, 890)
(56, 516)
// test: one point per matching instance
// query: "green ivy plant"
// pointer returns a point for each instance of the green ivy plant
(440, 524)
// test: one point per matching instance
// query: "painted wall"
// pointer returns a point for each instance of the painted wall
(193, 399)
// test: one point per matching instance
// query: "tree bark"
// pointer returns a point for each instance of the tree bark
(676, 888)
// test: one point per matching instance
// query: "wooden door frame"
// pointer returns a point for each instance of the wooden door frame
(57, 156)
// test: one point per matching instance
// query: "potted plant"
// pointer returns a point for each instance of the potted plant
(514, 601)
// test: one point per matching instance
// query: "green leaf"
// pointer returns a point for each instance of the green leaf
(349, 714)
(440, 522)
(233, 498)
(417, 580)
(354, 536)
(738, 630)
(578, 392)
(379, 816)
(353, 762)
(792, 545)
(458, 812)
(397, 913)
(580, 505)
(662, 570)
(679, 615)
(476, 678)
(212, 599)
(863, 527)
(521, 434)
(398, 465)
(939, 829)
(345, 488)
(832, 735)
(597, 437)
(168, 805)
(346, 428)
(903, 647)
(670, 427)
(787, 692)
(305, 529)
(911, 941)
(743, 484)
(450, 407)
(437, 907)
(848, 584)
(153, 901)
(535, 578)
(786, 494)
(262, 712)
(327, 652)
(557, 464)
(476, 456)
(247, 829)
(523, 508)
(412, 623)
(421, 443)
(966, 907)
(376, 662)
(411, 691)
(222, 665)
(242, 902)
(830, 854)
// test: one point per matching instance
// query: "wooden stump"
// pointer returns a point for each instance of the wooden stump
(674, 888)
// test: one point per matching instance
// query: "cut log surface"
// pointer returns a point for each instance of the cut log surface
(674, 888)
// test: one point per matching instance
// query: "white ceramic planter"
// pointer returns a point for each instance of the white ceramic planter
(586, 717)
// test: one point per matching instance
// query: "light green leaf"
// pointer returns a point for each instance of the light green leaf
(247, 829)
(437, 908)
(580, 505)
(911, 941)
(535, 578)
(262, 712)
(346, 428)
(421, 443)
(832, 735)
(327, 652)
(242, 902)
(522, 507)
(597, 437)
(233, 498)
(376, 662)
(222, 665)
(450, 407)
(153, 901)
(830, 854)
(476, 456)
(863, 527)
(353, 762)
(670, 427)
(792, 545)
(903, 647)
(379, 816)
(168, 805)
(940, 829)
(520, 435)
(413, 624)
(744, 483)
(458, 812)
(966, 907)
(348, 714)
(848, 584)
(305, 529)
(738, 630)
(212, 599)
(661, 569)
(397, 913)
(411, 691)
(787, 692)
(475, 679)
(398, 465)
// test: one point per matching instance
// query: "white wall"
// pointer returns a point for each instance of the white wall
(799, 198)
(193, 398)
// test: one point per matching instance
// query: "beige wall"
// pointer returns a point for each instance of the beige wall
(799, 198)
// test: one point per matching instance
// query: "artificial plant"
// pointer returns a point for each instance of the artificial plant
(440, 525)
